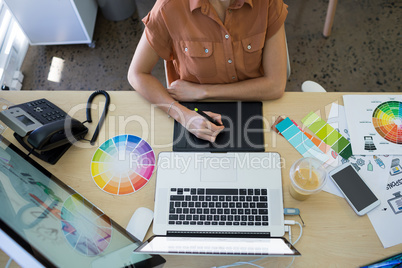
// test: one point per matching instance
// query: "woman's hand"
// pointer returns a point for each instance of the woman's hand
(186, 91)
(201, 127)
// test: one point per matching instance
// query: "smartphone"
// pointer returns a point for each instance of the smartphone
(359, 196)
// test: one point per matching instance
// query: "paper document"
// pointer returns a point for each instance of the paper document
(387, 218)
(375, 123)
(383, 174)
(373, 169)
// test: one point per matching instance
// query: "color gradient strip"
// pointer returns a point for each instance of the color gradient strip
(328, 134)
(299, 140)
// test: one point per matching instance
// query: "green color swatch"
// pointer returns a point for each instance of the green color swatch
(328, 134)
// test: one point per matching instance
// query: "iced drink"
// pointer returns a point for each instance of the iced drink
(307, 176)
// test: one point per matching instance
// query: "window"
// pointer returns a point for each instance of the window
(13, 46)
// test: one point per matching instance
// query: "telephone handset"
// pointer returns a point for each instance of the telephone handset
(54, 135)
(42, 126)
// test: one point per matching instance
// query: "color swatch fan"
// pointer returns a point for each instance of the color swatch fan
(387, 121)
(123, 164)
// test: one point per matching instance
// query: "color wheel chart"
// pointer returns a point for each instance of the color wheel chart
(86, 229)
(374, 123)
(387, 120)
(123, 165)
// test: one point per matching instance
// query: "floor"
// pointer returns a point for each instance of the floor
(362, 54)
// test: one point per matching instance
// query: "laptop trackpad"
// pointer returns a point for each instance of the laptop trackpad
(218, 169)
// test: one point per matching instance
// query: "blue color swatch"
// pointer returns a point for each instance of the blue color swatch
(299, 140)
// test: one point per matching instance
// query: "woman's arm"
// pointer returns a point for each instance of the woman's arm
(141, 79)
(270, 86)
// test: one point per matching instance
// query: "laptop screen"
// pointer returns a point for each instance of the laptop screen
(55, 224)
(239, 246)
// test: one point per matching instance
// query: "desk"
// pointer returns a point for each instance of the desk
(334, 234)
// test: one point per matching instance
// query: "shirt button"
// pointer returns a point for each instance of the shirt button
(206, 50)
(230, 61)
(249, 47)
(227, 36)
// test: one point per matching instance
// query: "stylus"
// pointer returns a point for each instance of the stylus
(210, 119)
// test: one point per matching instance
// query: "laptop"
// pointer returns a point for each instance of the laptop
(243, 131)
(45, 223)
(219, 204)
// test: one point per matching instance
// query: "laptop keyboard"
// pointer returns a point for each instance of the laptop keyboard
(199, 206)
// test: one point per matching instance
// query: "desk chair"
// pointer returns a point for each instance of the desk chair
(311, 86)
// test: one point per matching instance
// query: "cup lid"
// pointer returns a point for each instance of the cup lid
(308, 175)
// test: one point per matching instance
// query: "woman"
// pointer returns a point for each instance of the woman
(214, 49)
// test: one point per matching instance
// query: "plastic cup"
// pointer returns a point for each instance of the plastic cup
(307, 177)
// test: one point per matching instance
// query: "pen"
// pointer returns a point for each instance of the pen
(210, 119)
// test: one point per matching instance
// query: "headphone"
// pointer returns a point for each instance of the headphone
(102, 118)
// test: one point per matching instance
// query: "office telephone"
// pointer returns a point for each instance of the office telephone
(41, 125)
(47, 131)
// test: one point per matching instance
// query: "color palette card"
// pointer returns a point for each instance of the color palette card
(123, 164)
(299, 140)
(375, 123)
(328, 134)
(319, 143)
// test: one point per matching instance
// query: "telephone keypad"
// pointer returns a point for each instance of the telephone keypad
(44, 111)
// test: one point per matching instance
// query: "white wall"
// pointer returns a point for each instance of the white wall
(13, 46)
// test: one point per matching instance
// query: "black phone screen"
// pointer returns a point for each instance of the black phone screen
(354, 188)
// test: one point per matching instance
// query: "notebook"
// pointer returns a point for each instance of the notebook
(45, 223)
(243, 131)
(218, 203)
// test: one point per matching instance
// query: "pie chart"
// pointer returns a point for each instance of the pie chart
(387, 121)
(123, 164)
(86, 229)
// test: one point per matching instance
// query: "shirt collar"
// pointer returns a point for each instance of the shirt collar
(194, 4)
(240, 3)
(204, 4)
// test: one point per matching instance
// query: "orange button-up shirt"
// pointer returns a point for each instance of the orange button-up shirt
(200, 48)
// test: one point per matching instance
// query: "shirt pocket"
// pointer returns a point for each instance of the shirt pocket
(198, 58)
(252, 51)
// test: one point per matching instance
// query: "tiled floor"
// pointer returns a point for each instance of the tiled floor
(362, 54)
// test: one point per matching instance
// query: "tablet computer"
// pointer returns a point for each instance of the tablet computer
(244, 131)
